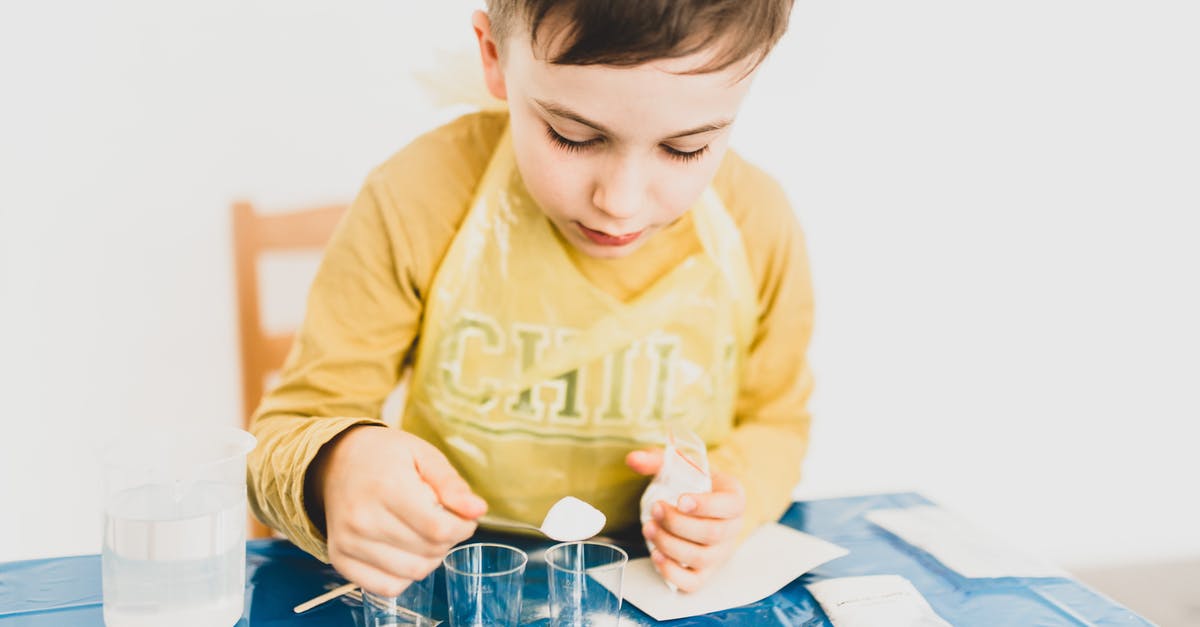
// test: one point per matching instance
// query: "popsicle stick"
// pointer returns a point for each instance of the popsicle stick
(352, 591)
(325, 598)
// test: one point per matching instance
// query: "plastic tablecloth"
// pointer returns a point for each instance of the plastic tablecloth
(66, 591)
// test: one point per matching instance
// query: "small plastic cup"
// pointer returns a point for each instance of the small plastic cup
(174, 549)
(411, 608)
(585, 584)
(483, 585)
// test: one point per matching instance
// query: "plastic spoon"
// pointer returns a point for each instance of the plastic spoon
(569, 520)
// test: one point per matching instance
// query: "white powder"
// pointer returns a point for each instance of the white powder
(572, 520)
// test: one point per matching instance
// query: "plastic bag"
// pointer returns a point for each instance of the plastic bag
(684, 471)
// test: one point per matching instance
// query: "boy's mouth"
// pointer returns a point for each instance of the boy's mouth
(604, 239)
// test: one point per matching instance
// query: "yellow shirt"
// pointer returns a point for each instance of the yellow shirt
(367, 300)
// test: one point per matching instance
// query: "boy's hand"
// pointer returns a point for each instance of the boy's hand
(694, 539)
(394, 507)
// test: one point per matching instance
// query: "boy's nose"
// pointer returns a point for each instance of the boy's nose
(621, 192)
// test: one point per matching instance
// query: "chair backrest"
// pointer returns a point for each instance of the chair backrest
(254, 234)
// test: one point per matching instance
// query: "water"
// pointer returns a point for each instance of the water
(175, 555)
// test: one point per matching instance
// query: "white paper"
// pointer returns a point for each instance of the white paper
(874, 601)
(772, 557)
(958, 545)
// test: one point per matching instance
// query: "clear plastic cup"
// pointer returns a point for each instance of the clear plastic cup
(175, 527)
(411, 608)
(483, 585)
(585, 584)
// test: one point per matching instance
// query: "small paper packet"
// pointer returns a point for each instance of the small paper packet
(874, 601)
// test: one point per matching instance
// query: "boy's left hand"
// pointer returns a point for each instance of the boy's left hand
(694, 539)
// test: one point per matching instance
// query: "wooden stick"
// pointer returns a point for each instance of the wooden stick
(325, 598)
(351, 590)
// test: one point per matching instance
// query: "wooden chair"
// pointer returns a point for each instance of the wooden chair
(263, 352)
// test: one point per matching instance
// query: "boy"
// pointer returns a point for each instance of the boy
(569, 280)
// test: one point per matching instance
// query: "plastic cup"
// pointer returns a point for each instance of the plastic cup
(483, 585)
(411, 608)
(174, 548)
(585, 584)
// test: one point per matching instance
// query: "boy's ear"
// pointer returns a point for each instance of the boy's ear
(489, 54)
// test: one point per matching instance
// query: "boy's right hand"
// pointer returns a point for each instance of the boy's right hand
(394, 506)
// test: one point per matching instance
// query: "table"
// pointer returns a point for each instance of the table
(66, 591)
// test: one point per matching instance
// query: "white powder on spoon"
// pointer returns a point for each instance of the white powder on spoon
(572, 520)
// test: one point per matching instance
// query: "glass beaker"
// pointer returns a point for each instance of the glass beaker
(175, 527)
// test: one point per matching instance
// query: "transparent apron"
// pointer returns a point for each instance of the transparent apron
(535, 383)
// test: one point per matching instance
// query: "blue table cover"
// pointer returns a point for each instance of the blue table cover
(67, 592)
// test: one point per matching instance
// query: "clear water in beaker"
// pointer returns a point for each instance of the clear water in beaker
(175, 528)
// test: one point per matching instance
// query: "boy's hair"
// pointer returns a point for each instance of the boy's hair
(633, 32)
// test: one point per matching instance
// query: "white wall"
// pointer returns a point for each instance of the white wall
(1000, 200)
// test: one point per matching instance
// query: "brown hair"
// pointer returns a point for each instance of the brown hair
(633, 32)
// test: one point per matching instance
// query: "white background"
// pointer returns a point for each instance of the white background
(1001, 201)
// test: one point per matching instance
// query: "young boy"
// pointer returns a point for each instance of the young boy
(568, 280)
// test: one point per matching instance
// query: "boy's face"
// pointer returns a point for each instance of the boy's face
(613, 155)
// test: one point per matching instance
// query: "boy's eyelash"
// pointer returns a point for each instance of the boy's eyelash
(574, 146)
(568, 145)
(680, 155)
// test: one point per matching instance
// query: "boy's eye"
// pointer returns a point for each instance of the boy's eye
(683, 155)
(569, 145)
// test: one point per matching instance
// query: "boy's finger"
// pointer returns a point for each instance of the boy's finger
(687, 580)
(705, 531)
(684, 552)
(370, 578)
(399, 534)
(646, 461)
(392, 561)
(451, 490)
(722, 505)
(386, 526)
(434, 523)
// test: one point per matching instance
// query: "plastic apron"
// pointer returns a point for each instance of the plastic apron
(535, 383)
